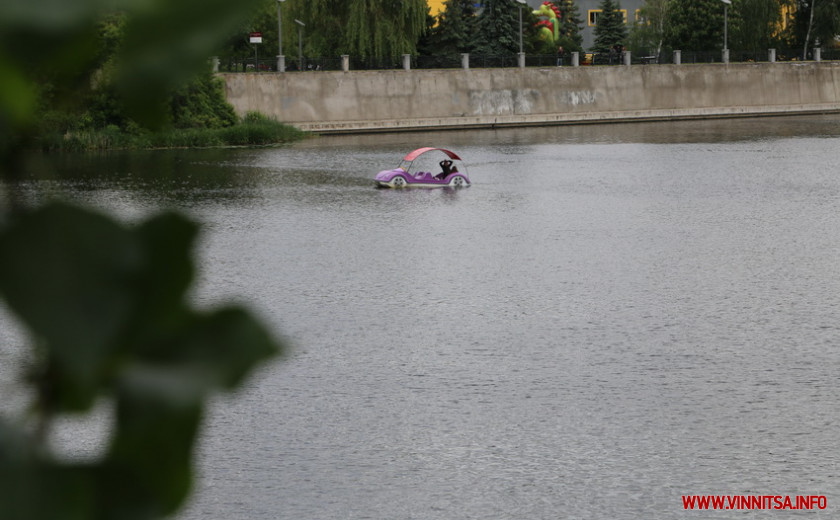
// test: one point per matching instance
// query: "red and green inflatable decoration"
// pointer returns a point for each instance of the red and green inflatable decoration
(549, 24)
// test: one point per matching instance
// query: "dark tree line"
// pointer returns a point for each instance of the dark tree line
(386, 29)
(753, 25)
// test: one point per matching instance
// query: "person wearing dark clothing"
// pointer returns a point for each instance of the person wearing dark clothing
(446, 169)
(561, 53)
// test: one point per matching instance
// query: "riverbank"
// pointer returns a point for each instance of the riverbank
(400, 100)
(253, 130)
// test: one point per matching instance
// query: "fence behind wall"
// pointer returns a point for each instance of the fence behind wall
(334, 63)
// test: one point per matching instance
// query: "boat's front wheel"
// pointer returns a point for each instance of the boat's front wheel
(398, 182)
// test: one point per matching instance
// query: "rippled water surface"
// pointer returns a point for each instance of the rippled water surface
(610, 318)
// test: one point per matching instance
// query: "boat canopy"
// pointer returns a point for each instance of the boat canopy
(420, 151)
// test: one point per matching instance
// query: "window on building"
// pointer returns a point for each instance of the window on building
(594, 14)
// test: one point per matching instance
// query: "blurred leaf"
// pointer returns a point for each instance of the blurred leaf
(162, 282)
(211, 351)
(17, 100)
(67, 273)
(164, 47)
(165, 42)
(108, 302)
(51, 15)
(33, 487)
(229, 342)
(148, 468)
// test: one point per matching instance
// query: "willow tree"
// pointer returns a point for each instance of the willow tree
(697, 25)
(384, 28)
(361, 28)
(760, 22)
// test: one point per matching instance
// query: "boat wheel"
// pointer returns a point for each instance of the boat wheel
(398, 182)
(458, 181)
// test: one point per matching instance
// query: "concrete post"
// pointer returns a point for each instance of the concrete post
(521, 58)
(406, 61)
(627, 58)
(677, 57)
(817, 54)
(465, 60)
(345, 62)
(771, 55)
(725, 56)
(575, 59)
(281, 64)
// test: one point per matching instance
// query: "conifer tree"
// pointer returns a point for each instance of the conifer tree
(611, 30)
(455, 30)
(571, 25)
(497, 27)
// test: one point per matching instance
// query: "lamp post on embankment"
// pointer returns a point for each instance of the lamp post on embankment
(521, 52)
(726, 4)
(300, 43)
(281, 60)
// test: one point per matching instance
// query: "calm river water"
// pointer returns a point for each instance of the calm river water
(612, 317)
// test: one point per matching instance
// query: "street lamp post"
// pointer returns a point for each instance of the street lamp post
(281, 60)
(521, 52)
(726, 4)
(300, 43)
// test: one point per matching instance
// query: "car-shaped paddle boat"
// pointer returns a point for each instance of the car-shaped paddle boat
(418, 169)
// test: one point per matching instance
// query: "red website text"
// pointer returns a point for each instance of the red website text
(754, 502)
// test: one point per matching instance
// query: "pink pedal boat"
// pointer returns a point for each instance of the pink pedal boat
(419, 170)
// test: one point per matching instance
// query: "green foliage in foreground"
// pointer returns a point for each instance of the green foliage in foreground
(109, 308)
(105, 304)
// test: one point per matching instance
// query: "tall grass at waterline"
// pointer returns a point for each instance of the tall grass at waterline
(253, 130)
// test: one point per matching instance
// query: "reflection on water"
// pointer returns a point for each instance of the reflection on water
(610, 318)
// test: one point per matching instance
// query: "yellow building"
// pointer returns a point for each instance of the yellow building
(436, 6)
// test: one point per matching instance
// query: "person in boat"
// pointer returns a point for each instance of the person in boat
(446, 168)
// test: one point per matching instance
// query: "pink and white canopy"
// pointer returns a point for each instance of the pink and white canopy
(420, 151)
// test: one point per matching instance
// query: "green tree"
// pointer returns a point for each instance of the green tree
(611, 31)
(455, 29)
(697, 25)
(361, 28)
(648, 33)
(498, 29)
(758, 24)
(426, 44)
(814, 20)
(571, 25)
(201, 103)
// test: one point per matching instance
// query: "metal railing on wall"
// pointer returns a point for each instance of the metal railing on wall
(293, 64)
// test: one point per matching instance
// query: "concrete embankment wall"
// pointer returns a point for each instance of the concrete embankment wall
(377, 101)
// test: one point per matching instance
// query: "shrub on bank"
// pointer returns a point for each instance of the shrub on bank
(199, 116)
(253, 130)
